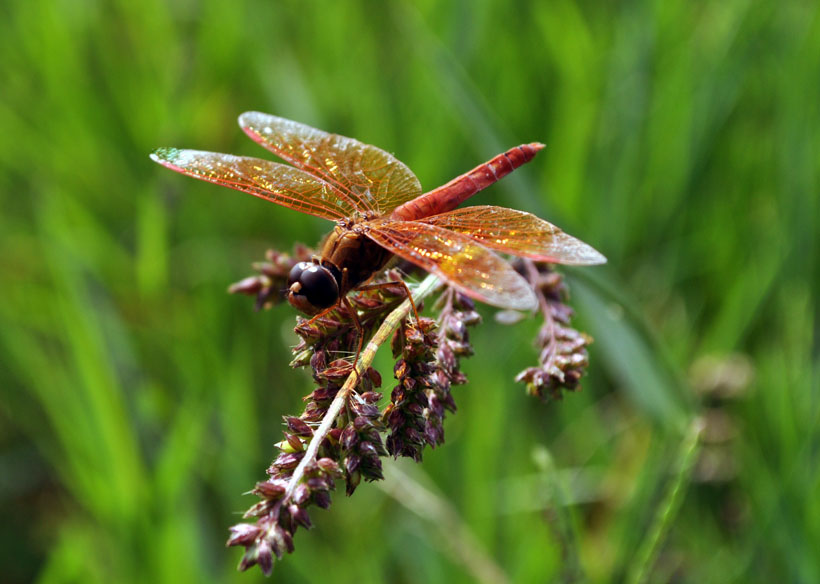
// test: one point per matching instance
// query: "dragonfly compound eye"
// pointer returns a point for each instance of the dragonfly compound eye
(317, 284)
(296, 272)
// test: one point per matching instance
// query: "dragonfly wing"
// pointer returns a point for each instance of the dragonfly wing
(280, 183)
(457, 259)
(372, 179)
(518, 233)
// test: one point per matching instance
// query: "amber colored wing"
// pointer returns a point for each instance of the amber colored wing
(457, 259)
(371, 179)
(518, 233)
(280, 183)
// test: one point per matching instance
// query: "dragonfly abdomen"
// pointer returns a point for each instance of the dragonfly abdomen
(449, 196)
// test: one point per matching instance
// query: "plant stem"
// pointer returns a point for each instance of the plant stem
(687, 456)
(386, 330)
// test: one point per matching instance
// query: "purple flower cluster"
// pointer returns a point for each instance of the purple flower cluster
(563, 356)
(339, 435)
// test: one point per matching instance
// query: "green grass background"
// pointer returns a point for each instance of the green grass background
(138, 401)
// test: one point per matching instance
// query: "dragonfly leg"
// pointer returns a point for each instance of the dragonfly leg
(359, 332)
(322, 313)
(355, 318)
(391, 283)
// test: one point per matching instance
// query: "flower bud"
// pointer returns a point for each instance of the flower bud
(243, 534)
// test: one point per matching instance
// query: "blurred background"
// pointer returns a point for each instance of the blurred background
(138, 401)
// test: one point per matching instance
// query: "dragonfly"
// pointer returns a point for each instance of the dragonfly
(380, 212)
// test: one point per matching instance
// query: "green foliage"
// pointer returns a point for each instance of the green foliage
(138, 401)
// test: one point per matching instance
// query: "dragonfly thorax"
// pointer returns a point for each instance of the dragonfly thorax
(347, 260)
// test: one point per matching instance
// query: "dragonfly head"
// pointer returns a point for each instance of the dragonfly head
(312, 287)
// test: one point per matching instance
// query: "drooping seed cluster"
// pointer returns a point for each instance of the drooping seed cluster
(457, 315)
(428, 355)
(563, 356)
(414, 345)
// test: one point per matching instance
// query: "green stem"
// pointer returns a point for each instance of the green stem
(668, 508)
